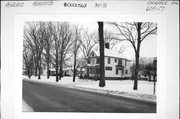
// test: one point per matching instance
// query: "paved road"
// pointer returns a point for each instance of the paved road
(50, 98)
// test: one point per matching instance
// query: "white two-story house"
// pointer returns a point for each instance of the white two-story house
(116, 65)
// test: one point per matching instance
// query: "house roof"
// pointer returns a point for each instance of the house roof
(109, 53)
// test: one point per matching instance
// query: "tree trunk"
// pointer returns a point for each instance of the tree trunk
(48, 70)
(61, 68)
(29, 72)
(36, 67)
(74, 71)
(81, 72)
(39, 68)
(56, 72)
(61, 64)
(101, 43)
(136, 73)
(57, 65)
(154, 78)
(137, 55)
(48, 59)
(87, 71)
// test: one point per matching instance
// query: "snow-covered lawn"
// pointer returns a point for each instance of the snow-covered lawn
(117, 87)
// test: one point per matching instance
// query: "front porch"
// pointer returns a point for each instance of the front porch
(94, 71)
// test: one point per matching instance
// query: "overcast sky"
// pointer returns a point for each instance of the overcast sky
(148, 46)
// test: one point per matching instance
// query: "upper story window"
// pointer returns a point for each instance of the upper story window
(97, 60)
(120, 62)
(109, 60)
(115, 60)
(93, 60)
(90, 70)
(92, 54)
(88, 61)
(108, 68)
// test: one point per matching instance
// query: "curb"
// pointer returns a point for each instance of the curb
(115, 94)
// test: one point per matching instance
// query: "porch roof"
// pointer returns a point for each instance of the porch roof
(120, 66)
(92, 65)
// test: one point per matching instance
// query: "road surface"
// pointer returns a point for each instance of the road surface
(44, 97)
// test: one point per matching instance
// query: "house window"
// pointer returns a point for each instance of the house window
(97, 70)
(97, 60)
(125, 62)
(90, 70)
(92, 54)
(117, 70)
(126, 72)
(120, 62)
(93, 61)
(88, 61)
(115, 60)
(109, 60)
(108, 68)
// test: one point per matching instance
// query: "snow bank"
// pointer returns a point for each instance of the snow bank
(144, 87)
(26, 107)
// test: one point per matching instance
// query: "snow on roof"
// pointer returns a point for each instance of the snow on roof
(110, 53)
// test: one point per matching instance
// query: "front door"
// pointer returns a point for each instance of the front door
(117, 71)
(120, 73)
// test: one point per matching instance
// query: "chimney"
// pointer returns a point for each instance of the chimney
(107, 45)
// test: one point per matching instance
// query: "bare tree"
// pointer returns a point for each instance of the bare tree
(55, 48)
(144, 66)
(76, 48)
(41, 44)
(28, 60)
(29, 46)
(135, 33)
(48, 45)
(34, 35)
(108, 38)
(65, 34)
(61, 46)
(88, 42)
(30, 32)
(101, 45)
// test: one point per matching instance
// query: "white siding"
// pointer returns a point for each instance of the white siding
(112, 73)
(128, 69)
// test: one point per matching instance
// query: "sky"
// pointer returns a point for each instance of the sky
(148, 46)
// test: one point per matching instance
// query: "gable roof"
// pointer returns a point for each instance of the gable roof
(109, 53)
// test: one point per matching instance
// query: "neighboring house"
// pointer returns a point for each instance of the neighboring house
(66, 71)
(115, 64)
(52, 72)
(69, 71)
